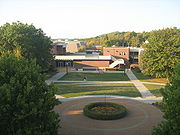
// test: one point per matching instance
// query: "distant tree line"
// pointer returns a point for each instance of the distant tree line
(118, 39)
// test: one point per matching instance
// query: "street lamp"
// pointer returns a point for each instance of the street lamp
(67, 67)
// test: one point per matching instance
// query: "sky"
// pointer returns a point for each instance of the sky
(90, 18)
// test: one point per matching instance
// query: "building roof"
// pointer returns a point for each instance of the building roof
(83, 57)
(132, 49)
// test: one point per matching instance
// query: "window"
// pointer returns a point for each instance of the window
(122, 53)
(60, 64)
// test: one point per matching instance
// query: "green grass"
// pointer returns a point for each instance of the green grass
(78, 76)
(84, 89)
(154, 89)
(146, 78)
(141, 76)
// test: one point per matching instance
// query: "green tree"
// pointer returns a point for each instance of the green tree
(27, 102)
(162, 52)
(30, 41)
(135, 41)
(117, 38)
(82, 48)
(171, 98)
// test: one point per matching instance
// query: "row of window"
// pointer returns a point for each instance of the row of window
(64, 64)
(120, 53)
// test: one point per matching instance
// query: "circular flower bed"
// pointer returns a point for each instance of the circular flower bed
(104, 111)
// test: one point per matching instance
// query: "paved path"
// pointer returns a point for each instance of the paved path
(55, 77)
(60, 81)
(140, 119)
(148, 100)
(64, 81)
(100, 71)
(154, 83)
(139, 85)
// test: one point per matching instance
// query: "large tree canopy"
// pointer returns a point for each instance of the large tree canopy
(27, 102)
(31, 42)
(171, 97)
(162, 52)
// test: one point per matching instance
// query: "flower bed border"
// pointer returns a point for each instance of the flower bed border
(104, 116)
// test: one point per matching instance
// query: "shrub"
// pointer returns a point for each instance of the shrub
(89, 112)
(159, 104)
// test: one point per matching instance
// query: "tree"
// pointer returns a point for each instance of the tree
(26, 101)
(135, 41)
(161, 53)
(30, 41)
(82, 48)
(117, 38)
(171, 98)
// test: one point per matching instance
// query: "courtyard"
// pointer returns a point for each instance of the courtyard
(121, 88)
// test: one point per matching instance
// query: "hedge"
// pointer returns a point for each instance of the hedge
(87, 110)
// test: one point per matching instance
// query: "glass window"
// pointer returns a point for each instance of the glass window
(122, 53)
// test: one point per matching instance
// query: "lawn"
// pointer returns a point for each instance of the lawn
(146, 78)
(154, 89)
(84, 89)
(79, 76)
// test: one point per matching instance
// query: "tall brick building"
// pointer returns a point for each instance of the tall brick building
(131, 55)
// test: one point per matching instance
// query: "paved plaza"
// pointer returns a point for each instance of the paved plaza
(140, 120)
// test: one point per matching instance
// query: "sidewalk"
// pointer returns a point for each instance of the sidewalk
(148, 100)
(55, 77)
(139, 85)
(63, 81)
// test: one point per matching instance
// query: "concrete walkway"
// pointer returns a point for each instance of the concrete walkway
(62, 81)
(55, 77)
(154, 83)
(100, 71)
(139, 85)
(148, 100)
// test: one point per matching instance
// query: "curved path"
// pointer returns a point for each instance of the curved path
(140, 120)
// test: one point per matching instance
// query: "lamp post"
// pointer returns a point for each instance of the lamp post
(124, 68)
(67, 68)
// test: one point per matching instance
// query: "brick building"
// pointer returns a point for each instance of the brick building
(131, 55)
(113, 57)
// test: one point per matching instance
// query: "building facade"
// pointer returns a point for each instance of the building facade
(131, 55)
(111, 58)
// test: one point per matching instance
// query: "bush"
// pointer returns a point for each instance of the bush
(159, 104)
(88, 111)
(26, 101)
